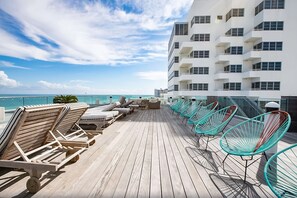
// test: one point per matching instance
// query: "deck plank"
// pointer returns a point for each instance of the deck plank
(145, 179)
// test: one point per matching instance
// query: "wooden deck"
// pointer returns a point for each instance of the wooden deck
(147, 154)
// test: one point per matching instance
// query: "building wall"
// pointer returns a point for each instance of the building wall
(219, 42)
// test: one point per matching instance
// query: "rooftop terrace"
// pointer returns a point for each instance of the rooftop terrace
(148, 154)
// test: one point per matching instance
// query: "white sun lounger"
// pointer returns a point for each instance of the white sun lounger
(98, 117)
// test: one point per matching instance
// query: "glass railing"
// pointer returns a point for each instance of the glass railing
(12, 102)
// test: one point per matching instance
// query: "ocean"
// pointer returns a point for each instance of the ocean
(13, 101)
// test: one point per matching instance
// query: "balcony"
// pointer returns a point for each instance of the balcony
(186, 62)
(185, 77)
(252, 55)
(188, 92)
(253, 36)
(186, 47)
(252, 74)
(223, 41)
(223, 58)
(221, 76)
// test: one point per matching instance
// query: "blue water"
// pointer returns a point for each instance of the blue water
(13, 101)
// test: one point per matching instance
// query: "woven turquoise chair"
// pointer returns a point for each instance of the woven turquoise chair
(185, 105)
(215, 123)
(255, 136)
(203, 112)
(176, 105)
(281, 172)
(193, 108)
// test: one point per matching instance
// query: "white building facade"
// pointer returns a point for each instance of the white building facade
(235, 48)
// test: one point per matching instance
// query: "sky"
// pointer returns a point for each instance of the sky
(86, 47)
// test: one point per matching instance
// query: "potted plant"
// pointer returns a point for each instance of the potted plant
(65, 99)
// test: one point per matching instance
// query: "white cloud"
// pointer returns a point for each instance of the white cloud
(11, 46)
(5, 81)
(152, 75)
(51, 85)
(11, 65)
(92, 33)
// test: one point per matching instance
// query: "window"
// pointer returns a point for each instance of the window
(200, 37)
(200, 19)
(199, 70)
(176, 45)
(270, 25)
(270, 4)
(172, 75)
(234, 32)
(198, 86)
(269, 46)
(233, 68)
(236, 86)
(173, 88)
(174, 60)
(181, 29)
(199, 54)
(219, 17)
(239, 12)
(234, 50)
(266, 85)
(271, 66)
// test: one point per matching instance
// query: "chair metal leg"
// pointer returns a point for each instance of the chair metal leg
(266, 159)
(245, 170)
(207, 142)
(224, 161)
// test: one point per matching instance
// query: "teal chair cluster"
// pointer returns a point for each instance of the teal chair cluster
(193, 108)
(255, 136)
(184, 106)
(176, 105)
(281, 172)
(215, 123)
(202, 113)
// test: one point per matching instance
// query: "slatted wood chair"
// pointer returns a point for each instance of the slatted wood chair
(281, 172)
(23, 143)
(255, 136)
(215, 123)
(68, 128)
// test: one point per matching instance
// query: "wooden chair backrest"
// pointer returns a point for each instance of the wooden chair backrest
(32, 129)
(70, 116)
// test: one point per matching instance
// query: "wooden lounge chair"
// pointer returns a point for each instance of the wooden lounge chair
(67, 127)
(23, 143)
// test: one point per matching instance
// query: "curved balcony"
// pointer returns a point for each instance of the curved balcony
(186, 62)
(186, 47)
(252, 55)
(252, 36)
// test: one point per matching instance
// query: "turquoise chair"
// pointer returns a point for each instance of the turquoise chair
(176, 105)
(255, 136)
(281, 172)
(183, 107)
(215, 123)
(203, 112)
(193, 108)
